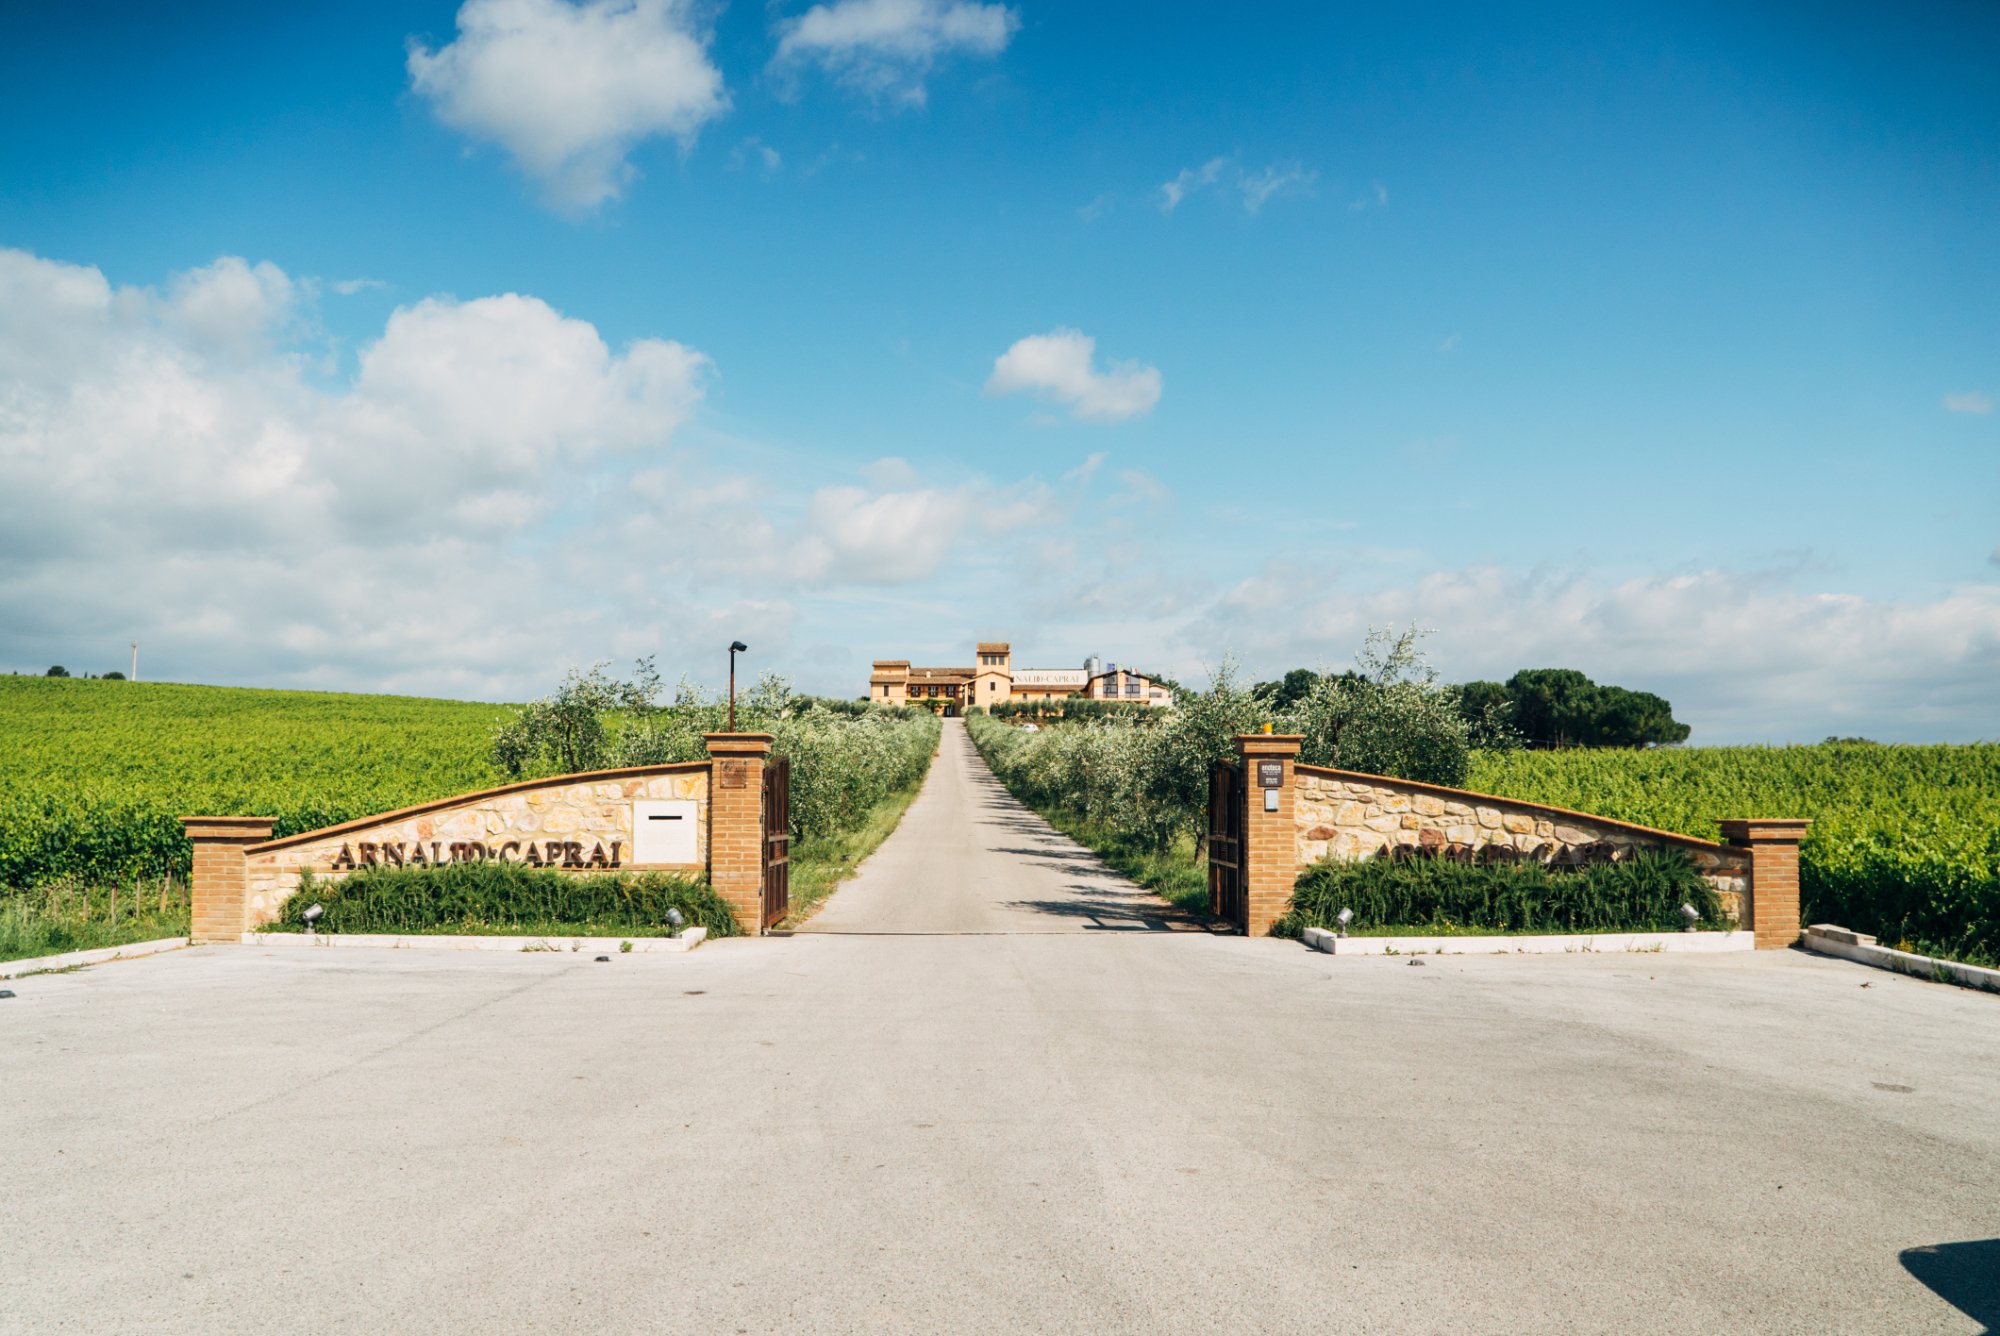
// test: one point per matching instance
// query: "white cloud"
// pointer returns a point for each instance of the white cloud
(1376, 197)
(1059, 366)
(1189, 180)
(348, 287)
(1260, 187)
(168, 471)
(568, 89)
(1743, 656)
(885, 49)
(755, 149)
(1257, 188)
(1087, 470)
(1448, 343)
(1972, 401)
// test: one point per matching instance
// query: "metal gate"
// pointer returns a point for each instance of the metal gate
(1226, 899)
(777, 839)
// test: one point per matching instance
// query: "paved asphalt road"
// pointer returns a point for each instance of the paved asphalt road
(1093, 1131)
(968, 858)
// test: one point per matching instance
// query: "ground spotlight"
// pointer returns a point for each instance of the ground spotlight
(1343, 918)
(1692, 915)
(312, 915)
(675, 918)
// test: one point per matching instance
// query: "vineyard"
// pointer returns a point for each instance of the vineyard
(95, 776)
(1905, 843)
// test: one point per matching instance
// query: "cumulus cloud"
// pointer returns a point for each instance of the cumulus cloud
(167, 468)
(1059, 366)
(1744, 656)
(488, 492)
(884, 49)
(569, 89)
(1972, 401)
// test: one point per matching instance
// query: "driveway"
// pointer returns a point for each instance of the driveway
(1050, 1131)
(969, 858)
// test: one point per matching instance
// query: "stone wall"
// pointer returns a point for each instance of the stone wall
(573, 822)
(1351, 816)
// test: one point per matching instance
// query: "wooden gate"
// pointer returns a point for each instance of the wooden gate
(777, 839)
(1226, 899)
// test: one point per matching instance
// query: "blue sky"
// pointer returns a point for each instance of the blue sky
(434, 349)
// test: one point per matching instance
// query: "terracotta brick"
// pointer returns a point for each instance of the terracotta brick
(219, 886)
(1773, 898)
(736, 825)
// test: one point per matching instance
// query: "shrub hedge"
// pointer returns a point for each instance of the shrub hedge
(505, 899)
(1643, 893)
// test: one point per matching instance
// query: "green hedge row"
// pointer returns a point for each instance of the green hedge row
(1641, 894)
(505, 899)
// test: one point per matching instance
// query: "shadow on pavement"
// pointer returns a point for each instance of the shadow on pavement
(1964, 1275)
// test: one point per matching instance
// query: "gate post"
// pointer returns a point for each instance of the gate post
(1774, 876)
(736, 823)
(1270, 855)
(217, 889)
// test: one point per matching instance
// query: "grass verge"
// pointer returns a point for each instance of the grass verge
(821, 863)
(50, 921)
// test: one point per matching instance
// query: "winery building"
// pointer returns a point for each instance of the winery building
(993, 680)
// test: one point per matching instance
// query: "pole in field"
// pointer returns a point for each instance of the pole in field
(135, 661)
(735, 647)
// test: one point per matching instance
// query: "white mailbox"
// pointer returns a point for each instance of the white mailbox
(663, 831)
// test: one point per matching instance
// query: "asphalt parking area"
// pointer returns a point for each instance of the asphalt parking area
(1119, 1132)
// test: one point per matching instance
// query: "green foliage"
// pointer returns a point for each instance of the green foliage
(1145, 777)
(57, 671)
(1639, 894)
(1488, 711)
(1390, 717)
(1288, 690)
(1560, 707)
(1905, 843)
(505, 899)
(565, 732)
(847, 757)
(95, 776)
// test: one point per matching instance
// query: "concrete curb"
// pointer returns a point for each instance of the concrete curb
(1321, 939)
(687, 941)
(1862, 949)
(14, 969)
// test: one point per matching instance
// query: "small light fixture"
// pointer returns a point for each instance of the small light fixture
(675, 919)
(1343, 918)
(312, 915)
(1692, 915)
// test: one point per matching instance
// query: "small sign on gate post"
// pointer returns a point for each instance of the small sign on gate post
(1270, 774)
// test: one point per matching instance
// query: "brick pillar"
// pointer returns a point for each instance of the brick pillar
(1270, 841)
(217, 887)
(736, 823)
(1774, 876)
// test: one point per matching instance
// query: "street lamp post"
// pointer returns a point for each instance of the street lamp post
(735, 647)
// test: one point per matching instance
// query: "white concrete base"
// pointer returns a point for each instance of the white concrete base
(1863, 949)
(597, 946)
(14, 969)
(1321, 939)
